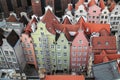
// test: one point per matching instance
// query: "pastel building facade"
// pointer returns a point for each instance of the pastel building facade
(28, 48)
(79, 52)
(11, 49)
(115, 18)
(105, 16)
(44, 47)
(94, 14)
(62, 52)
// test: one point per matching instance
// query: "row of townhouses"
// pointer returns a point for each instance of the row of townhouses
(85, 39)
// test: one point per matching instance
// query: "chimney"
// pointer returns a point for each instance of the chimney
(70, 7)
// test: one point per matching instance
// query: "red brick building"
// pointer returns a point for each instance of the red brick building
(36, 7)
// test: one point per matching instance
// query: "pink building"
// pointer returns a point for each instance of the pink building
(79, 52)
(93, 12)
(28, 49)
(27, 44)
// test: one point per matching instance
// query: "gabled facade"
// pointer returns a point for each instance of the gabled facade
(44, 47)
(115, 18)
(105, 16)
(79, 52)
(28, 48)
(12, 50)
(93, 14)
(80, 12)
(62, 52)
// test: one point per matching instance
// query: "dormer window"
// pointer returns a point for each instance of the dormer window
(81, 11)
(106, 17)
(105, 12)
(94, 11)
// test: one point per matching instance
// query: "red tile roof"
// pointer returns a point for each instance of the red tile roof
(28, 27)
(112, 6)
(11, 18)
(102, 4)
(79, 3)
(104, 43)
(64, 77)
(105, 57)
(66, 21)
(104, 32)
(67, 34)
(80, 22)
(69, 27)
(94, 27)
(91, 3)
(49, 18)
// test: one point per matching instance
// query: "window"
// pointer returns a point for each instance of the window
(105, 12)
(59, 54)
(102, 17)
(97, 17)
(74, 47)
(73, 59)
(81, 11)
(105, 22)
(59, 62)
(65, 61)
(2, 59)
(14, 59)
(23, 45)
(78, 59)
(11, 53)
(106, 17)
(83, 59)
(52, 46)
(6, 53)
(9, 59)
(94, 11)
(80, 47)
(98, 43)
(58, 46)
(65, 54)
(43, 59)
(114, 18)
(85, 47)
(73, 64)
(80, 41)
(53, 60)
(39, 39)
(76, 15)
(28, 45)
(65, 47)
(40, 45)
(118, 18)
(85, 53)
(41, 28)
(93, 17)
(42, 33)
(93, 21)
(116, 13)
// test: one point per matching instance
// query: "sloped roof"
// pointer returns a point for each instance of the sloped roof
(69, 27)
(64, 77)
(23, 20)
(11, 18)
(79, 3)
(112, 6)
(12, 38)
(49, 18)
(66, 21)
(102, 4)
(105, 57)
(80, 22)
(28, 27)
(104, 32)
(91, 3)
(104, 43)
(94, 27)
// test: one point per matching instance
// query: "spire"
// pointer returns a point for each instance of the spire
(91, 3)
(102, 4)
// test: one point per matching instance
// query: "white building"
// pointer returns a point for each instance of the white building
(104, 16)
(11, 52)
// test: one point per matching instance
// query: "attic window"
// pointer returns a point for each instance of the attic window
(41, 28)
(98, 43)
(81, 11)
(105, 12)
(94, 11)
(80, 41)
(106, 43)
